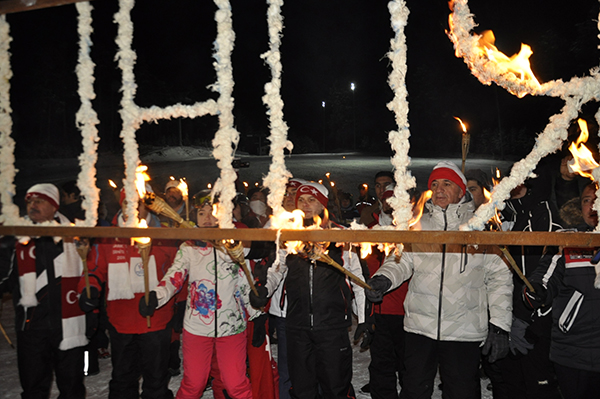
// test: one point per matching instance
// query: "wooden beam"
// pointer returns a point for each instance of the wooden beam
(433, 237)
(13, 6)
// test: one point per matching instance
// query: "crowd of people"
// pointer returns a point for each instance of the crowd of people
(457, 310)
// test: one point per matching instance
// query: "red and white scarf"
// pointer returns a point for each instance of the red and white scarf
(67, 265)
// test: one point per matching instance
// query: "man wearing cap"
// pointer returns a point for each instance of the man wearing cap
(50, 326)
(451, 290)
(319, 307)
(174, 198)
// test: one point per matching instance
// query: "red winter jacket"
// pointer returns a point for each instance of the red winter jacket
(116, 258)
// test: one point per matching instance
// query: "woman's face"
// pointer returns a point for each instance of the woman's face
(206, 217)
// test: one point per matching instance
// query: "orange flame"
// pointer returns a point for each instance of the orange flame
(142, 240)
(183, 187)
(141, 177)
(462, 125)
(487, 195)
(518, 64)
(112, 184)
(418, 208)
(583, 161)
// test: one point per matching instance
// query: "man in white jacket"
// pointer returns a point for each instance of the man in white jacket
(453, 289)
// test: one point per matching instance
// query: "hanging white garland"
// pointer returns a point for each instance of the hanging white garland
(10, 212)
(86, 118)
(278, 175)
(399, 139)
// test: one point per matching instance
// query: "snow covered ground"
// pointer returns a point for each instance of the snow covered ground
(347, 170)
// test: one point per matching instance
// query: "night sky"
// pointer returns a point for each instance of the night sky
(326, 46)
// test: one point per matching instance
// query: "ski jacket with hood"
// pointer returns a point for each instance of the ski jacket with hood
(452, 286)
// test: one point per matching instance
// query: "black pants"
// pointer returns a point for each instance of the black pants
(320, 358)
(387, 356)
(529, 376)
(578, 384)
(135, 355)
(458, 364)
(38, 355)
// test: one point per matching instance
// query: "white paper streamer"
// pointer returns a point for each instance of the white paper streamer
(278, 175)
(399, 140)
(10, 212)
(86, 118)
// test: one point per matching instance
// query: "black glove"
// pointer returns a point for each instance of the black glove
(148, 310)
(379, 284)
(518, 343)
(178, 316)
(260, 330)
(496, 345)
(91, 324)
(534, 300)
(367, 328)
(260, 300)
(88, 304)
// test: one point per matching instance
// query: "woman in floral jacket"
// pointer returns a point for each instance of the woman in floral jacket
(216, 312)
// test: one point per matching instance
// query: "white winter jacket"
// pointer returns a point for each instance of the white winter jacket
(452, 286)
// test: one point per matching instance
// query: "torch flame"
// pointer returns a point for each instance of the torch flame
(583, 161)
(462, 125)
(183, 187)
(141, 177)
(112, 184)
(142, 240)
(418, 208)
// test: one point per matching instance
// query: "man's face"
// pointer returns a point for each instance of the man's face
(380, 184)
(476, 192)
(310, 206)
(205, 216)
(590, 216)
(39, 210)
(174, 197)
(445, 192)
(289, 202)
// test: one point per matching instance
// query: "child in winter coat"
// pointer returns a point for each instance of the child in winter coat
(216, 312)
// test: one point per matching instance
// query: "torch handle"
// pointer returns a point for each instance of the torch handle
(516, 268)
(86, 277)
(327, 259)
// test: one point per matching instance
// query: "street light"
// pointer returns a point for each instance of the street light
(352, 87)
(324, 125)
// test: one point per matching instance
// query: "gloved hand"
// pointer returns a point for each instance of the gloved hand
(260, 330)
(379, 284)
(148, 310)
(178, 316)
(260, 300)
(496, 345)
(367, 328)
(518, 343)
(534, 300)
(88, 304)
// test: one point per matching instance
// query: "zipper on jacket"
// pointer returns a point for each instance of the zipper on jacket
(439, 327)
(216, 292)
(310, 292)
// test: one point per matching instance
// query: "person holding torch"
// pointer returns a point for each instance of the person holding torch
(138, 346)
(217, 309)
(320, 299)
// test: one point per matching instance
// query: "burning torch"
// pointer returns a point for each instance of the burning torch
(144, 245)
(466, 141)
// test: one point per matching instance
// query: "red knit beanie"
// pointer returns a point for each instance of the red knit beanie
(448, 171)
(316, 190)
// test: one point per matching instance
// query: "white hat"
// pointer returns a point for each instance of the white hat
(46, 191)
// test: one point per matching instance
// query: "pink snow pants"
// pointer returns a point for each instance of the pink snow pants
(231, 358)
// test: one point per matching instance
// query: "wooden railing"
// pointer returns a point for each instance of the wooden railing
(570, 239)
